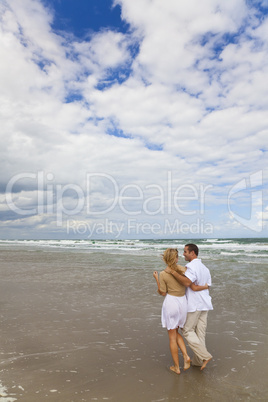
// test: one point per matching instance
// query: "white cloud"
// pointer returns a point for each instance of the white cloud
(188, 102)
(109, 49)
(172, 33)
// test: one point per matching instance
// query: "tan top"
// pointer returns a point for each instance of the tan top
(170, 285)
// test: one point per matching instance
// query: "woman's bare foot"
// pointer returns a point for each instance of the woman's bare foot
(187, 363)
(175, 369)
(205, 362)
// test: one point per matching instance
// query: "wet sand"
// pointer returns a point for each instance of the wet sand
(86, 327)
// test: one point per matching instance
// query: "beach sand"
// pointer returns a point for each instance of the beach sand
(86, 327)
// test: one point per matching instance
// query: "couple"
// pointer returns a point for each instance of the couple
(189, 313)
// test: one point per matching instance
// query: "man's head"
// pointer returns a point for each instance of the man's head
(190, 252)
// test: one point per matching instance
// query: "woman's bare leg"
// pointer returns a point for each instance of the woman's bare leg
(181, 344)
(172, 334)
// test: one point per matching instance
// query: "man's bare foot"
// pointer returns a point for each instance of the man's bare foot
(205, 362)
(175, 369)
(187, 363)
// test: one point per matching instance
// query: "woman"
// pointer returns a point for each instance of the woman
(174, 309)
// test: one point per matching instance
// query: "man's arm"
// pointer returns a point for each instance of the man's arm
(183, 280)
(198, 288)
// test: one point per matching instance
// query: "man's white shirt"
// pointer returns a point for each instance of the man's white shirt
(198, 274)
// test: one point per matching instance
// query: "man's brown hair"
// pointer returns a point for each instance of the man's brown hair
(192, 247)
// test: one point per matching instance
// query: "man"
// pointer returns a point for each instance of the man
(199, 303)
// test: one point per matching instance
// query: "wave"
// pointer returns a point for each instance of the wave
(208, 247)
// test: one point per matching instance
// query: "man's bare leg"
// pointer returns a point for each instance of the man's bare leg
(205, 362)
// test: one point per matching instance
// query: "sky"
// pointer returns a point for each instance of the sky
(133, 119)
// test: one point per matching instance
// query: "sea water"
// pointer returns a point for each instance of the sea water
(241, 250)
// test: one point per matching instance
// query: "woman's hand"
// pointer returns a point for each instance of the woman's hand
(155, 274)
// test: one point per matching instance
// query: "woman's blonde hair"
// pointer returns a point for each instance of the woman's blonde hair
(170, 257)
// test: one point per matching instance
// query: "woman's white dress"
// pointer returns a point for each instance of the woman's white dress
(174, 312)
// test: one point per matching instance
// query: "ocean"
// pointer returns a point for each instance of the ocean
(241, 250)
(80, 321)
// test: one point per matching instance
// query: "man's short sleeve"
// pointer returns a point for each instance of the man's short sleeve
(209, 282)
(190, 274)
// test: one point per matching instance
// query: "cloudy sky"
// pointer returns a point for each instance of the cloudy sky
(133, 119)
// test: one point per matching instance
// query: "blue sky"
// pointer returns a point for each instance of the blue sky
(124, 119)
(83, 17)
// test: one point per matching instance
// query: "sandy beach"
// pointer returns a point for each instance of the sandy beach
(78, 326)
